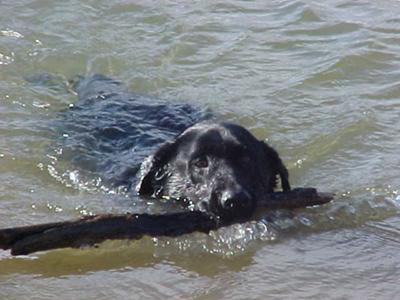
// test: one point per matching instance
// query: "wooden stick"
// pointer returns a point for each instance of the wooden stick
(295, 198)
(95, 229)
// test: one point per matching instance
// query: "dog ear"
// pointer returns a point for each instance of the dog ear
(155, 170)
(277, 166)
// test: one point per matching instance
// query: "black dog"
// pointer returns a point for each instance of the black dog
(219, 168)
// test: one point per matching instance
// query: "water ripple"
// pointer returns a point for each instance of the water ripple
(318, 80)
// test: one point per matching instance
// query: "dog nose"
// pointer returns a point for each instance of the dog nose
(236, 200)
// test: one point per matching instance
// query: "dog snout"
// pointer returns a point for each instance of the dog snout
(232, 200)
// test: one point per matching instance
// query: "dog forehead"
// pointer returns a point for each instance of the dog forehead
(217, 139)
(209, 134)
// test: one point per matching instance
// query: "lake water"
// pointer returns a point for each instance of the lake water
(318, 80)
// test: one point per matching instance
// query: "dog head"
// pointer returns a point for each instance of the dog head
(218, 168)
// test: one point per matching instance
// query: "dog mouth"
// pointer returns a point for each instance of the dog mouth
(231, 205)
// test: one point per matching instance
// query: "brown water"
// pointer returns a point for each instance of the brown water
(320, 80)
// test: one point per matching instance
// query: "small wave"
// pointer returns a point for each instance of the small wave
(11, 33)
(6, 59)
(327, 30)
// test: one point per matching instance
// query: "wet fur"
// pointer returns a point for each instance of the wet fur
(111, 131)
(239, 169)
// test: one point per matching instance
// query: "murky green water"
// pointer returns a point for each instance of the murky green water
(319, 79)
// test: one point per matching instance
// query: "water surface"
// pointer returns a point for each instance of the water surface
(318, 80)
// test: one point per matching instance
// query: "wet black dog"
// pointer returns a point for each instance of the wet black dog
(220, 168)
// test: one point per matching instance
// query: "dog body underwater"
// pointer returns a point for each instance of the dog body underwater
(167, 149)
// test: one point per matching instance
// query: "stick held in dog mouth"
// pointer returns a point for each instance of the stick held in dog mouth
(95, 229)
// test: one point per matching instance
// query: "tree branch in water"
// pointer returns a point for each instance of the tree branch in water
(95, 229)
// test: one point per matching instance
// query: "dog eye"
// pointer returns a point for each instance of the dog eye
(201, 162)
